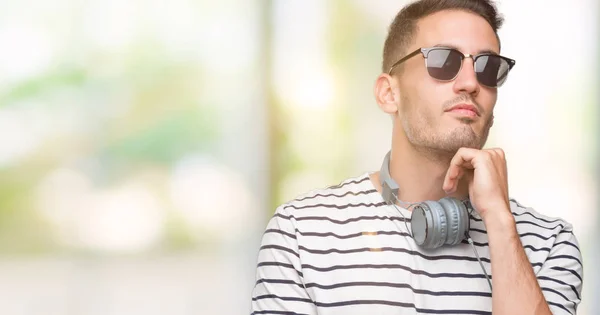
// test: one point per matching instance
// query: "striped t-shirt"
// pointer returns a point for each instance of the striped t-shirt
(343, 250)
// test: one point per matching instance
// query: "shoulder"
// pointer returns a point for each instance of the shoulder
(540, 231)
(549, 242)
(525, 215)
(351, 192)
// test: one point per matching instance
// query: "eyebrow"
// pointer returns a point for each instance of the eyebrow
(484, 51)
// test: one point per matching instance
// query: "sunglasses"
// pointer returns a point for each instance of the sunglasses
(444, 64)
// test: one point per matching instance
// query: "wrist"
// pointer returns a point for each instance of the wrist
(500, 221)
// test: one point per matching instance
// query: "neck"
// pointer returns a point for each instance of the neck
(420, 173)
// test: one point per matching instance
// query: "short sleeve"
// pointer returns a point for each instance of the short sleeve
(279, 287)
(561, 276)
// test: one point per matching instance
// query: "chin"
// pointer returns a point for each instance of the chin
(461, 138)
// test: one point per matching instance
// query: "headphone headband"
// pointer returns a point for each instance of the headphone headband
(389, 187)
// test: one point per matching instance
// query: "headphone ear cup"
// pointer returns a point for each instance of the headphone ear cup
(458, 219)
(436, 225)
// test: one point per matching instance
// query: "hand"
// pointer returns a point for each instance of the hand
(488, 180)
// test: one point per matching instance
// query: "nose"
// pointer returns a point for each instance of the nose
(466, 80)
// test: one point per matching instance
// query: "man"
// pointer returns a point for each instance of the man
(348, 249)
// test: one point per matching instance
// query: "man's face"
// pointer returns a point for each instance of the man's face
(424, 101)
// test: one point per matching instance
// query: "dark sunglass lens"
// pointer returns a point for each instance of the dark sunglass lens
(491, 70)
(444, 64)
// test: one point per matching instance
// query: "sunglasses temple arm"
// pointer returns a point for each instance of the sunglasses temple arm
(412, 54)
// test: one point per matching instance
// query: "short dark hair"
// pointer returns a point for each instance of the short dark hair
(404, 26)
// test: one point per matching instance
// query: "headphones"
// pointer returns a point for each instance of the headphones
(433, 223)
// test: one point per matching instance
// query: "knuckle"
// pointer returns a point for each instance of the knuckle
(495, 153)
(500, 152)
(487, 158)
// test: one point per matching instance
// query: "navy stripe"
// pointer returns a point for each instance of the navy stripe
(527, 211)
(390, 249)
(355, 219)
(558, 305)
(284, 298)
(280, 264)
(398, 285)
(400, 304)
(537, 235)
(568, 270)
(353, 235)
(543, 227)
(364, 192)
(277, 214)
(276, 312)
(543, 249)
(279, 281)
(342, 184)
(557, 293)
(394, 266)
(285, 249)
(568, 243)
(318, 205)
(532, 215)
(477, 230)
(561, 282)
(290, 235)
(372, 302)
(476, 243)
(565, 257)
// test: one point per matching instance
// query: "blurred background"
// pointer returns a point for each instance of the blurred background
(145, 144)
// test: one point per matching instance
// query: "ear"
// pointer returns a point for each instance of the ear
(384, 94)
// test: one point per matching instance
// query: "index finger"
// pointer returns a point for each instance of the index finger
(461, 160)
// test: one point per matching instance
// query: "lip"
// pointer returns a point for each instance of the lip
(464, 109)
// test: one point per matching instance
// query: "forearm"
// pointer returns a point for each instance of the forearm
(515, 286)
